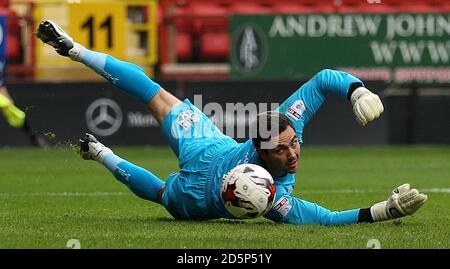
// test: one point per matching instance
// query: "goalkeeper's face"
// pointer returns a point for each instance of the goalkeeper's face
(283, 157)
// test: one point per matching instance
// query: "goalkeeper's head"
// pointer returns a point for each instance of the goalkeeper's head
(276, 142)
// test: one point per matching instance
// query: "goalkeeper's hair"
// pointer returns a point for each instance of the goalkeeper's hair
(265, 119)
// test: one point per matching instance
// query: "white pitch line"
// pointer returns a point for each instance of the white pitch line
(66, 194)
(44, 194)
(430, 190)
(447, 190)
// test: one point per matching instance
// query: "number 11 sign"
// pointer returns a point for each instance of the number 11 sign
(100, 26)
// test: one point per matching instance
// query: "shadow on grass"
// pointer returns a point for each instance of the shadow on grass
(166, 220)
(259, 221)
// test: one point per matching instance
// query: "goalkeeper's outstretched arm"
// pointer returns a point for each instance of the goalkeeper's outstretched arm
(403, 201)
(303, 104)
(367, 106)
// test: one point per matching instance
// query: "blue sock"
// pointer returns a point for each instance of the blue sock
(141, 182)
(126, 76)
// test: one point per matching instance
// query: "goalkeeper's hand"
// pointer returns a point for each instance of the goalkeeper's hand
(402, 201)
(367, 106)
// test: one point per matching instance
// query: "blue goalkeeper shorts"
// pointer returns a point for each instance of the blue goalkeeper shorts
(197, 142)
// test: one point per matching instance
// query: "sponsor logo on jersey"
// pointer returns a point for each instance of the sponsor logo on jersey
(290, 189)
(187, 118)
(297, 109)
(283, 206)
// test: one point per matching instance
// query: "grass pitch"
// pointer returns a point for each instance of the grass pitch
(50, 196)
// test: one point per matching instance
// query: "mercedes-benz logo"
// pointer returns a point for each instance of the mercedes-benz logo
(104, 117)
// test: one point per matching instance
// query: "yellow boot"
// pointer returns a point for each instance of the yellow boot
(13, 115)
(4, 101)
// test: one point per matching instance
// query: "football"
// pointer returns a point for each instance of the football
(248, 191)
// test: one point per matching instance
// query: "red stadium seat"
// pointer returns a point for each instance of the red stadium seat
(404, 6)
(208, 10)
(417, 8)
(402, 2)
(249, 8)
(298, 8)
(184, 32)
(214, 45)
(321, 5)
(445, 8)
(209, 16)
(182, 17)
(385, 6)
(184, 45)
(207, 22)
(211, 27)
(375, 8)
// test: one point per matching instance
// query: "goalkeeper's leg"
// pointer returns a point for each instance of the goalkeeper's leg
(141, 182)
(18, 119)
(126, 76)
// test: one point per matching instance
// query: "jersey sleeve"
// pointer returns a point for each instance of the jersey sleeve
(301, 106)
(292, 210)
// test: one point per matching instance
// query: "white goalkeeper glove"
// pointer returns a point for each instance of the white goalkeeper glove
(402, 201)
(367, 106)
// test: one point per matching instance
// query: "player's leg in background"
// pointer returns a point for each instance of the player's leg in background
(140, 181)
(14, 116)
(4, 91)
(126, 76)
(18, 118)
(35, 137)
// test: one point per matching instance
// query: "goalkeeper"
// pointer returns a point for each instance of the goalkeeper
(205, 154)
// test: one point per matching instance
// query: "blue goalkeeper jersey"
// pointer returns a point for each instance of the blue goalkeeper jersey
(201, 179)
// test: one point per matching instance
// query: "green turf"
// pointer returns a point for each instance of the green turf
(100, 212)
